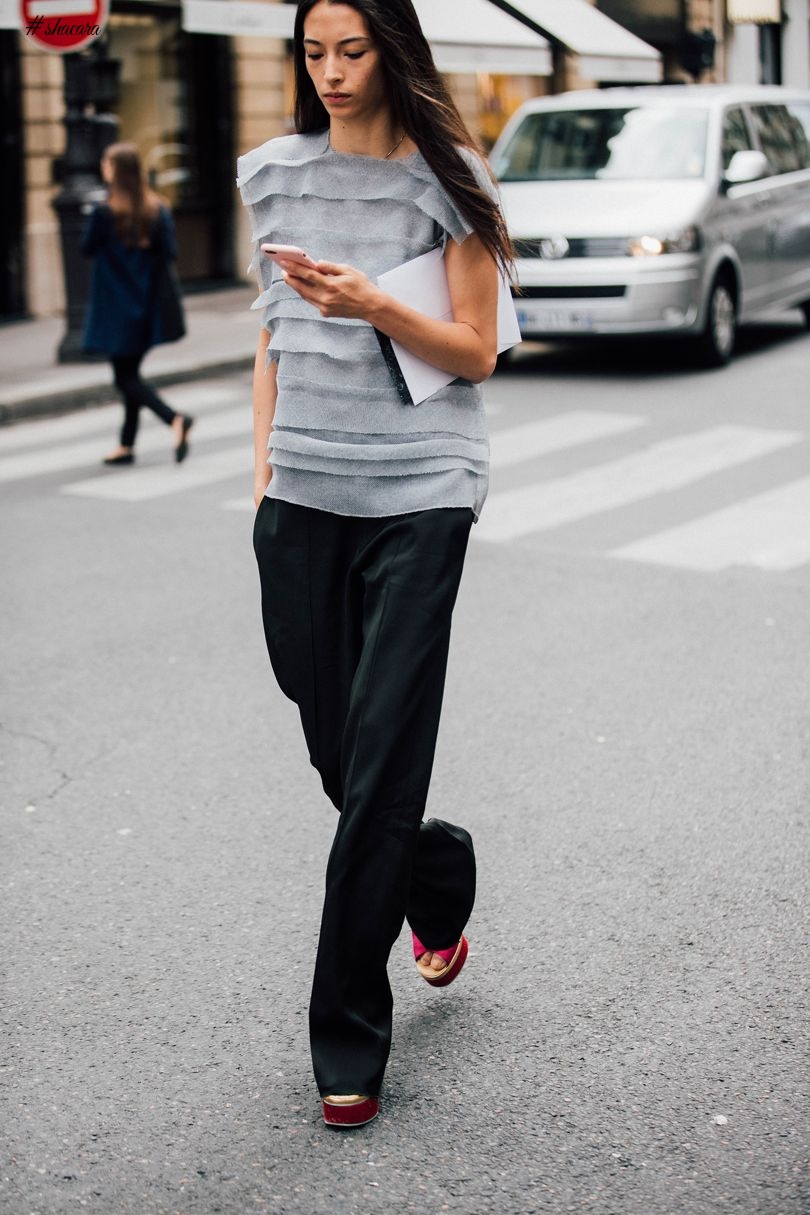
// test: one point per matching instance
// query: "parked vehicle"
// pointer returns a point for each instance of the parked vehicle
(681, 210)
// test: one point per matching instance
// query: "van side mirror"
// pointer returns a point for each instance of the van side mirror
(746, 166)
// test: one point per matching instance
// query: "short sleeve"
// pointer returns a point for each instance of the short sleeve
(482, 174)
(463, 228)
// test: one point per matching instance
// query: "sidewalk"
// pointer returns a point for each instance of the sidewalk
(221, 337)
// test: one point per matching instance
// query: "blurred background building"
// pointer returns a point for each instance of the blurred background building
(201, 81)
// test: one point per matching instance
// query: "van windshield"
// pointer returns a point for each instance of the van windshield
(629, 144)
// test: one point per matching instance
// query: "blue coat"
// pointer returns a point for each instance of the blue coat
(121, 315)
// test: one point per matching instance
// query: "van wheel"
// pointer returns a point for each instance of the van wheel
(715, 345)
(805, 307)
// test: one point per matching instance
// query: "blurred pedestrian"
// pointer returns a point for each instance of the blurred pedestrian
(134, 299)
(365, 502)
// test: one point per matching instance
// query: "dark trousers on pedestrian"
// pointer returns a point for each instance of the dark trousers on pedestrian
(136, 392)
(357, 616)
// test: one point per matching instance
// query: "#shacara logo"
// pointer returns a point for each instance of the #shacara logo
(63, 25)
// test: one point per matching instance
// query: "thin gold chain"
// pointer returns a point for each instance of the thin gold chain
(387, 156)
(396, 145)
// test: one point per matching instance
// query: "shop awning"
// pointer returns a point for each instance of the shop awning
(465, 35)
(238, 17)
(606, 50)
(474, 36)
(754, 12)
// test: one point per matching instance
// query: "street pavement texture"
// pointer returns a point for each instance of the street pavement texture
(220, 337)
(625, 734)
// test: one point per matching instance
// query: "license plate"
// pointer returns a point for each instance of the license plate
(539, 319)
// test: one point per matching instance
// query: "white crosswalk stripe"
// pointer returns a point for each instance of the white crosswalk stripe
(517, 444)
(130, 484)
(520, 443)
(770, 531)
(667, 465)
(102, 422)
(68, 456)
(53, 432)
(165, 479)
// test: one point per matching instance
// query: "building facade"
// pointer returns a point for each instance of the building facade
(202, 81)
(755, 41)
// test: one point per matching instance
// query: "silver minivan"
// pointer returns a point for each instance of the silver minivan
(679, 210)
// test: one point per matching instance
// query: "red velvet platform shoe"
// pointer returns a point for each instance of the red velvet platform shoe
(454, 957)
(344, 1113)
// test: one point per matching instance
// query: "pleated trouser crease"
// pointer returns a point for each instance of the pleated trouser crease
(357, 615)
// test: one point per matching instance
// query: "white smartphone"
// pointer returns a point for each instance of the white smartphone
(289, 253)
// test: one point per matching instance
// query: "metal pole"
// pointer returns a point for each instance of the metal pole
(91, 83)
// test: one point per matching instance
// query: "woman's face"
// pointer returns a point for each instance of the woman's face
(343, 62)
(107, 170)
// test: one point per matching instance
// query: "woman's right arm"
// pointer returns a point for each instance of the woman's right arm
(265, 391)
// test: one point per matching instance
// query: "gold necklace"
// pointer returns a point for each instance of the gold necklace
(396, 145)
(387, 155)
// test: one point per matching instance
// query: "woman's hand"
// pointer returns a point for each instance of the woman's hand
(466, 346)
(334, 289)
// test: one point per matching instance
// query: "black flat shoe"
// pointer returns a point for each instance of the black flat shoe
(126, 458)
(181, 450)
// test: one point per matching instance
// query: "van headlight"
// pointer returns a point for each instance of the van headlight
(686, 241)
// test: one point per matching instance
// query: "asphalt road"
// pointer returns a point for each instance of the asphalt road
(625, 734)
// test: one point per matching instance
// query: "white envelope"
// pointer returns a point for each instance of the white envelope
(422, 284)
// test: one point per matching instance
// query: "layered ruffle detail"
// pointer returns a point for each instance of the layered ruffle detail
(298, 170)
(386, 496)
(376, 452)
(339, 421)
(283, 149)
(316, 393)
(328, 337)
(380, 468)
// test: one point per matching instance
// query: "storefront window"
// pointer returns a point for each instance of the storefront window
(500, 96)
(152, 101)
(175, 104)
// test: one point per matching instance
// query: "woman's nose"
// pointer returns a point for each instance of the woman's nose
(334, 70)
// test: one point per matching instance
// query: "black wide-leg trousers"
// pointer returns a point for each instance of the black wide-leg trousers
(357, 616)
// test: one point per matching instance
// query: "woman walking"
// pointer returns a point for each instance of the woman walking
(365, 502)
(131, 239)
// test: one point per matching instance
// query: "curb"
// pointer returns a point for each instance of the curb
(72, 400)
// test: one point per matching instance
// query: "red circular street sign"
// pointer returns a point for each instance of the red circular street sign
(63, 25)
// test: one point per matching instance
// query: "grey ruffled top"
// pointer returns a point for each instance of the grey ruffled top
(342, 439)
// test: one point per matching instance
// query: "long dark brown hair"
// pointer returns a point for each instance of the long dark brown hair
(134, 204)
(421, 106)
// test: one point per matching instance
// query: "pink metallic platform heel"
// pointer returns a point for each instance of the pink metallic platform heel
(455, 957)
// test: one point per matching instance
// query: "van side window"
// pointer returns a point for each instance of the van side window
(799, 114)
(736, 136)
(777, 138)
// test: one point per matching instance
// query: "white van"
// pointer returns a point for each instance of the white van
(679, 210)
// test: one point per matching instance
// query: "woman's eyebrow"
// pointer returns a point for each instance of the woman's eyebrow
(343, 41)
